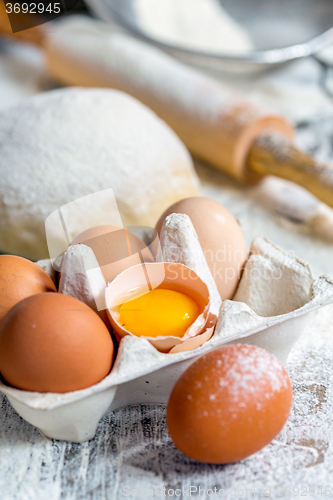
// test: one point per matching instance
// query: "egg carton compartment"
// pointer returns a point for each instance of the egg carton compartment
(276, 296)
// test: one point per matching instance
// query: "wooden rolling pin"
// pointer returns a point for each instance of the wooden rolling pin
(217, 125)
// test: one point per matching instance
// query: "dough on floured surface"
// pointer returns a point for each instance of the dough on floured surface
(62, 145)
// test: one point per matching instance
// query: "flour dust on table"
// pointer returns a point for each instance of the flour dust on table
(132, 447)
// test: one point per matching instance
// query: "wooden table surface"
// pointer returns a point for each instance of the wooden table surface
(132, 451)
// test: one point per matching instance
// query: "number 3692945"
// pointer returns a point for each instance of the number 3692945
(33, 8)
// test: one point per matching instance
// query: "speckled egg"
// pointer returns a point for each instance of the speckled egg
(229, 404)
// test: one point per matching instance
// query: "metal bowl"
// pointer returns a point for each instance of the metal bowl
(281, 30)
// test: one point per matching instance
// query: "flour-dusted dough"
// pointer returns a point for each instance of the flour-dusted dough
(65, 144)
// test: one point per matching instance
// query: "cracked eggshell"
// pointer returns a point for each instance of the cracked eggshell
(141, 279)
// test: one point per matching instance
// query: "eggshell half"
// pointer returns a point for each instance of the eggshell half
(142, 278)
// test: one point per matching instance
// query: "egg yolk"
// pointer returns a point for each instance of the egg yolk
(159, 312)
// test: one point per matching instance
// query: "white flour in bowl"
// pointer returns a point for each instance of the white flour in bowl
(193, 24)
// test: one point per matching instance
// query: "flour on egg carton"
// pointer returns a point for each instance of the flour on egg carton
(276, 296)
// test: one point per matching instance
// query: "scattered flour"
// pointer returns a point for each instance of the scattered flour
(252, 370)
(246, 375)
(193, 24)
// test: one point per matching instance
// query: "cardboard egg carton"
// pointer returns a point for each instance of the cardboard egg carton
(275, 298)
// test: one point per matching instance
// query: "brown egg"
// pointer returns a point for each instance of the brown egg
(221, 239)
(229, 404)
(115, 248)
(20, 278)
(54, 343)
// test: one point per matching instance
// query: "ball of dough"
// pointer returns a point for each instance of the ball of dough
(62, 145)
